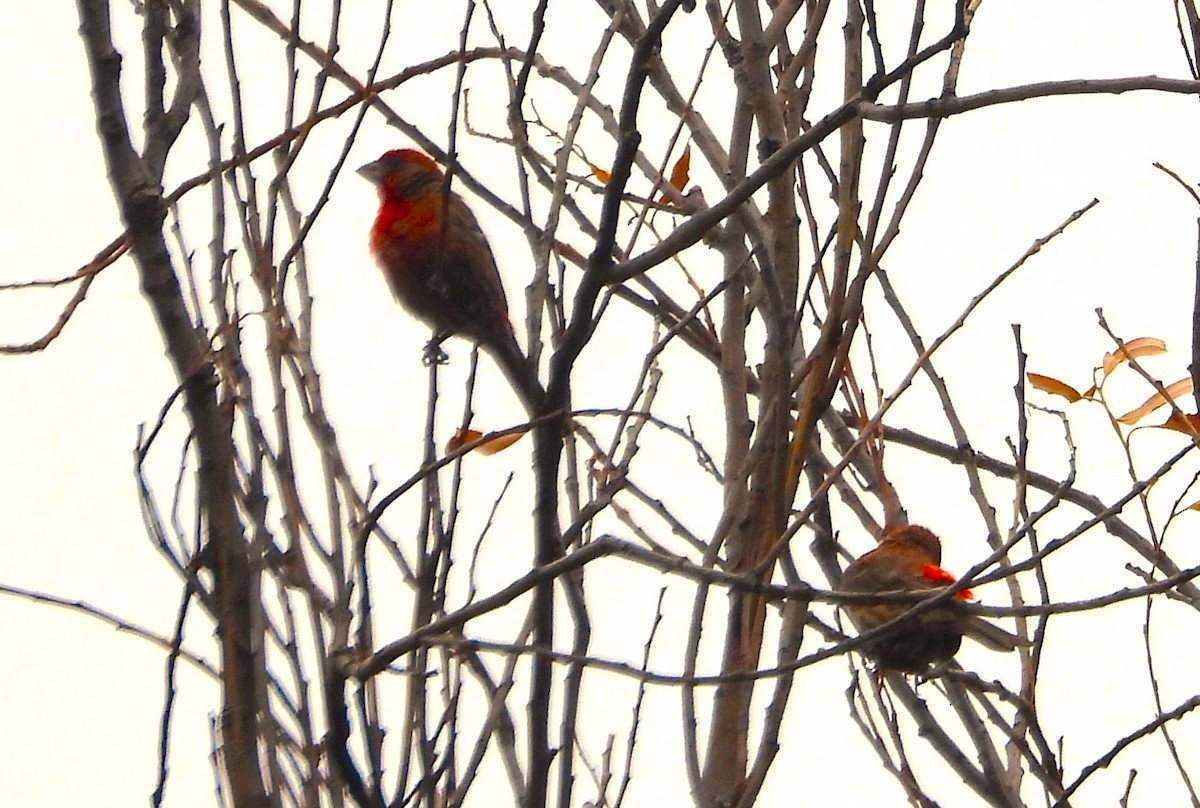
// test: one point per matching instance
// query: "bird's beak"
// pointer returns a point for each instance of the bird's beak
(371, 171)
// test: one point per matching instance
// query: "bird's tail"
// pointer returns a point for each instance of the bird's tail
(519, 371)
(991, 635)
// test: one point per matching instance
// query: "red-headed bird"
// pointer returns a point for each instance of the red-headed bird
(907, 560)
(439, 264)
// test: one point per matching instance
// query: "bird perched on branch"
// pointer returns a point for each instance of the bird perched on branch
(439, 264)
(907, 560)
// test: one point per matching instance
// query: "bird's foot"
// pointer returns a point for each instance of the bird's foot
(433, 353)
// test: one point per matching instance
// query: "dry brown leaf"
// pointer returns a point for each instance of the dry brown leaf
(490, 447)
(680, 173)
(1188, 424)
(570, 253)
(1134, 349)
(1051, 385)
(1175, 390)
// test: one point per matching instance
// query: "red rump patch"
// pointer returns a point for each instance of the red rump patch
(932, 572)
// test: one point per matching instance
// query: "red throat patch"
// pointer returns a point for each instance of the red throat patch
(411, 220)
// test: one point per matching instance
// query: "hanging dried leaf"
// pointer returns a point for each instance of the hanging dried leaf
(680, 173)
(1050, 385)
(1134, 349)
(1175, 390)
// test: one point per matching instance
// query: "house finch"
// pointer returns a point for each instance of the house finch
(907, 561)
(439, 265)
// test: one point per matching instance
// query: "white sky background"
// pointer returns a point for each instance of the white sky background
(79, 713)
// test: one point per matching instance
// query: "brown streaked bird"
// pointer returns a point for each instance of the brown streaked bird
(439, 264)
(907, 560)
